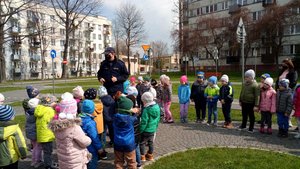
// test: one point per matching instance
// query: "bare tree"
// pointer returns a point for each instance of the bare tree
(117, 35)
(71, 14)
(159, 48)
(131, 24)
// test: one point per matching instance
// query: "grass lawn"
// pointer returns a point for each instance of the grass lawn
(20, 119)
(16, 104)
(8, 89)
(226, 158)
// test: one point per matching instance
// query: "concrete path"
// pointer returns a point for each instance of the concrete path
(177, 137)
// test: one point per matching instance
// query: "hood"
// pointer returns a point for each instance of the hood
(59, 125)
(40, 110)
(7, 129)
(152, 112)
(98, 107)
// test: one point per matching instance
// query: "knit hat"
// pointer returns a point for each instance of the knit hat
(147, 97)
(250, 73)
(68, 105)
(2, 98)
(284, 83)
(213, 80)
(90, 94)
(132, 79)
(33, 103)
(140, 78)
(132, 91)
(32, 92)
(269, 81)
(88, 106)
(6, 113)
(78, 92)
(102, 91)
(184, 79)
(124, 105)
(265, 75)
(147, 78)
(48, 100)
(200, 75)
(225, 78)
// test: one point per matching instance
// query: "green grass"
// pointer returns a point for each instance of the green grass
(21, 120)
(226, 158)
(8, 89)
(16, 104)
(87, 82)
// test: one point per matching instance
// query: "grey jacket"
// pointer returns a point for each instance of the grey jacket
(284, 101)
(30, 127)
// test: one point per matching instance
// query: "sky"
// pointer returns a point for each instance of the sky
(157, 14)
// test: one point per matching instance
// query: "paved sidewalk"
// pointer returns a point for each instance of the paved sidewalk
(177, 137)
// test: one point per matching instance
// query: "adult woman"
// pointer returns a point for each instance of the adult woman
(288, 72)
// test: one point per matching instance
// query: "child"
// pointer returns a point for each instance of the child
(149, 124)
(108, 113)
(166, 98)
(284, 107)
(126, 84)
(132, 81)
(89, 127)
(226, 99)
(44, 113)
(124, 144)
(132, 91)
(68, 106)
(138, 87)
(158, 100)
(297, 108)
(184, 93)
(263, 78)
(267, 105)
(197, 96)
(2, 98)
(91, 94)
(146, 87)
(12, 142)
(78, 96)
(249, 100)
(71, 141)
(211, 94)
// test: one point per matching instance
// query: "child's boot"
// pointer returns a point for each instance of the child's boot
(269, 131)
(143, 158)
(262, 130)
(225, 124)
(229, 126)
(149, 157)
(279, 132)
(297, 136)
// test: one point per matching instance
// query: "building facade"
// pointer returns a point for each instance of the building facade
(34, 32)
(259, 56)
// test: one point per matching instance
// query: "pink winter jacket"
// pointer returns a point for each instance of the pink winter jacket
(268, 100)
(297, 102)
(71, 143)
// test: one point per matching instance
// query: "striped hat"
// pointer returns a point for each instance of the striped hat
(6, 113)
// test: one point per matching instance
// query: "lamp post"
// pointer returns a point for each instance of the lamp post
(216, 57)
(241, 34)
(255, 58)
(150, 53)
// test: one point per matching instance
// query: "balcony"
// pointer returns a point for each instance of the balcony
(266, 3)
(17, 70)
(35, 45)
(15, 57)
(34, 58)
(16, 44)
(235, 8)
(15, 30)
(74, 59)
(74, 48)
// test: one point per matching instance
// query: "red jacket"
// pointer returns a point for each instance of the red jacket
(268, 100)
(297, 102)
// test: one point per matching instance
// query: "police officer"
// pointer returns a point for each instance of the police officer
(113, 72)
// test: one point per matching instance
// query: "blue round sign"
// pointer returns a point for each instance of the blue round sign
(53, 53)
(146, 57)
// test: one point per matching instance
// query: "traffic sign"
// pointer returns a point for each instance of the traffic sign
(53, 53)
(145, 47)
(145, 57)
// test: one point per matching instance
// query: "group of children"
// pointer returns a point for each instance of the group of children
(79, 123)
(253, 98)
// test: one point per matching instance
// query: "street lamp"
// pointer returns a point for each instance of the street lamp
(150, 53)
(216, 57)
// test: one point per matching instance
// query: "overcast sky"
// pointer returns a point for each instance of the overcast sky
(157, 15)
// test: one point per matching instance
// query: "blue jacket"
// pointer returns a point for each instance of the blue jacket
(89, 127)
(124, 132)
(115, 68)
(108, 107)
(125, 86)
(197, 92)
(184, 93)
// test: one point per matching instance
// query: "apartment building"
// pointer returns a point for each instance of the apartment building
(259, 55)
(33, 33)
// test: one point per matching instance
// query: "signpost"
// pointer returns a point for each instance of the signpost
(147, 55)
(241, 34)
(53, 55)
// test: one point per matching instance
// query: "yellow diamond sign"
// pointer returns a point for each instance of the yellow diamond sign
(145, 47)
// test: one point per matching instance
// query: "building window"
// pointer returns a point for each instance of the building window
(99, 37)
(100, 46)
(215, 7)
(99, 27)
(94, 36)
(53, 42)
(52, 30)
(62, 31)
(207, 9)
(52, 17)
(94, 46)
(62, 42)
(257, 15)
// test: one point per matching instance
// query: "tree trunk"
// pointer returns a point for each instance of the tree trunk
(2, 56)
(128, 58)
(65, 57)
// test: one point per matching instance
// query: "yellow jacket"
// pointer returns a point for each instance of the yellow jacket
(12, 143)
(43, 116)
(98, 114)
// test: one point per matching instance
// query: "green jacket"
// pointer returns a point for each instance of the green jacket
(150, 119)
(43, 116)
(250, 93)
(12, 143)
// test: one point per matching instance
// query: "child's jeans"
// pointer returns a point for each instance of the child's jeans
(247, 110)
(121, 157)
(138, 154)
(36, 152)
(266, 118)
(226, 108)
(184, 110)
(93, 163)
(47, 149)
(283, 121)
(200, 106)
(168, 115)
(147, 138)
(212, 109)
